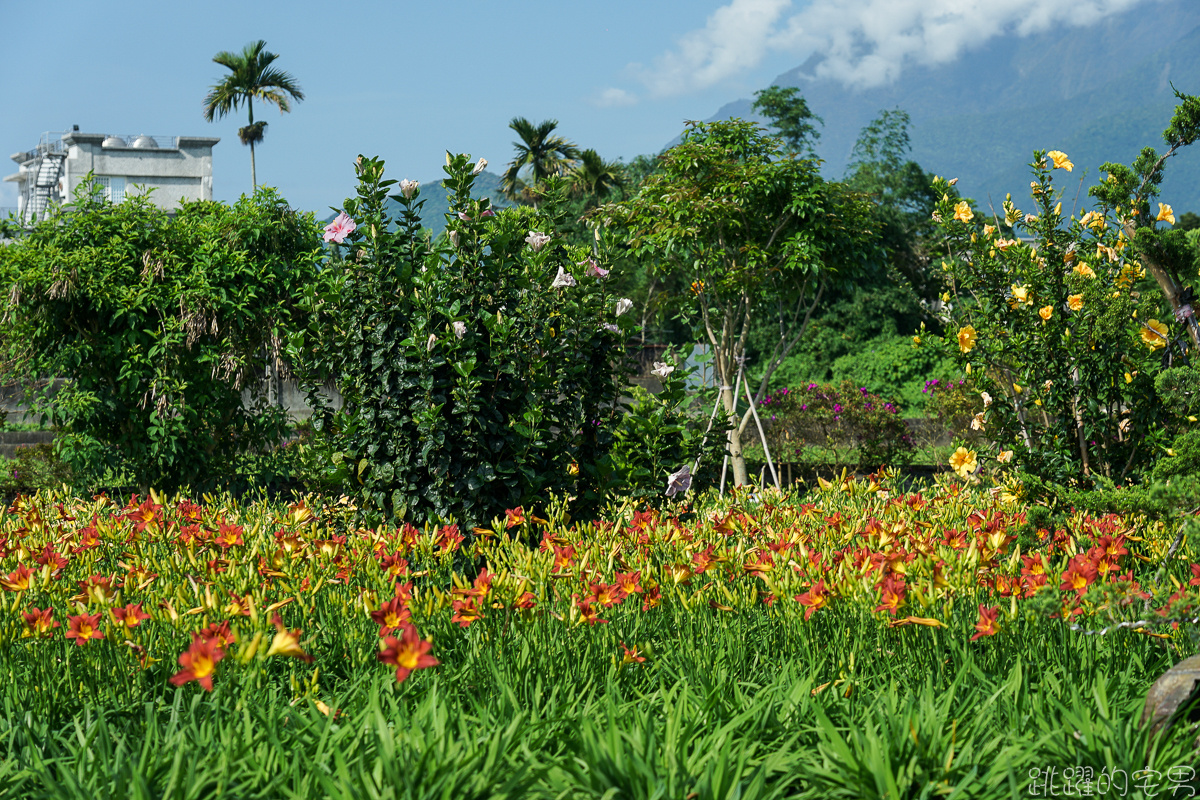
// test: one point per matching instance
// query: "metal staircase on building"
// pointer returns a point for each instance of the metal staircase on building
(45, 188)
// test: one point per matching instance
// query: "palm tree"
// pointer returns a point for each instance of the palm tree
(593, 177)
(252, 77)
(539, 154)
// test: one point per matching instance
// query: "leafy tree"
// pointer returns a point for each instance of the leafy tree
(790, 117)
(540, 153)
(751, 231)
(1129, 191)
(158, 323)
(251, 77)
(873, 318)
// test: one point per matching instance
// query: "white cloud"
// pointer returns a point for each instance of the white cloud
(863, 42)
(612, 97)
(733, 41)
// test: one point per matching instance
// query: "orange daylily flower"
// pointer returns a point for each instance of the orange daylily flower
(408, 653)
(199, 662)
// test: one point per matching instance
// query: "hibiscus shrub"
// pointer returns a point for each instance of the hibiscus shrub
(1055, 332)
(478, 372)
(827, 426)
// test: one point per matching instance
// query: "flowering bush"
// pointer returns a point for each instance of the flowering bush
(478, 372)
(1055, 333)
(835, 426)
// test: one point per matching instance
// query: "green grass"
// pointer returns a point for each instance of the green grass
(725, 706)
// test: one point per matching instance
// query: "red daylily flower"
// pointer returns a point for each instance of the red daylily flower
(219, 633)
(39, 622)
(407, 653)
(632, 655)
(199, 662)
(391, 616)
(130, 616)
(816, 597)
(652, 598)
(987, 624)
(588, 611)
(229, 535)
(83, 628)
(465, 612)
(630, 582)
(18, 580)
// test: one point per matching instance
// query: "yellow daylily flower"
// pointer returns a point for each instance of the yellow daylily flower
(1060, 160)
(1165, 214)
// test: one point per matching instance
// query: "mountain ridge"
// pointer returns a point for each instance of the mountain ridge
(1099, 93)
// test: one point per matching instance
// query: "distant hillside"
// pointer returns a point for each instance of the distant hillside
(1099, 93)
(437, 202)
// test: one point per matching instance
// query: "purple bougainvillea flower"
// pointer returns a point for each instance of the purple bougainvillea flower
(341, 227)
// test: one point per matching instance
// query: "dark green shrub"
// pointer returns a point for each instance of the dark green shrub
(157, 322)
(660, 434)
(478, 372)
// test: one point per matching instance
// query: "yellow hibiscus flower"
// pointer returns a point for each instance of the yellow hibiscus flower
(1045, 312)
(1075, 302)
(1084, 270)
(1060, 160)
(963, 212)
(1020, 295)
(964, 462)
(988, 230)
(1165, 214)
(1154, 334)
(966, 338)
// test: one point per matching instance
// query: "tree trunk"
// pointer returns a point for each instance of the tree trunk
(736, 458)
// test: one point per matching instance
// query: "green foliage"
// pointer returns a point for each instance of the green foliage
(158, 323)
(828, 426)
(472, 375)
(790, 116)
(35, 467)
(659, 434)
(746, 228)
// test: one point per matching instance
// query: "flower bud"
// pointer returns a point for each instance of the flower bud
(408, 188)
(480, 166)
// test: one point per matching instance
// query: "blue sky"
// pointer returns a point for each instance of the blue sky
(403, 80)
(407, 81)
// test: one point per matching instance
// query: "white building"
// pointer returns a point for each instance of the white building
(174, 169)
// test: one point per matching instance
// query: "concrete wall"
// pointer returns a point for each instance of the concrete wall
(174, 174)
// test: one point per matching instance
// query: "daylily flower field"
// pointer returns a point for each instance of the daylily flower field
(782, 631)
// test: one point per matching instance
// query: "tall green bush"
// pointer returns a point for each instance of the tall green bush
(158, 323)
(478, 372)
